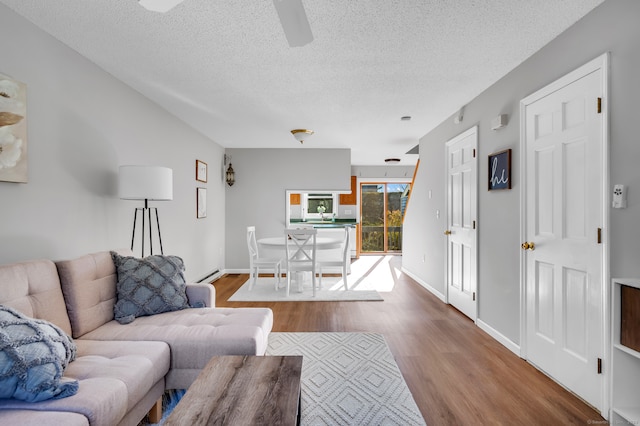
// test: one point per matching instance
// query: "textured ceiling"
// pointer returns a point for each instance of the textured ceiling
(225, 67)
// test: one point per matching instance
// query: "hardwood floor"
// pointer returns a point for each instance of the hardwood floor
(457, 373)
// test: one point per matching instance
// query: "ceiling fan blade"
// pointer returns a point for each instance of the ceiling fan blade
(294, 22)
(161, 6)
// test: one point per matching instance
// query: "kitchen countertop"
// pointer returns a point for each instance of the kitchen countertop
(339, 223)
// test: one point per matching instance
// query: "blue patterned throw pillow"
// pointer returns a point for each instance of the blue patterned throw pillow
(148, 286)
(33, 356)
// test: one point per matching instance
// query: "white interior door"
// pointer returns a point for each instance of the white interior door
(562, 227)
(462, 206)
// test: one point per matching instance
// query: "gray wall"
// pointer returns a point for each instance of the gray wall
(262, 178)
(383, 172)
(83, 124)
(612, 27)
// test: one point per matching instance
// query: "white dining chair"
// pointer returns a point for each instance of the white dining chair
(342, 262)
(300, 246)
(256, 262)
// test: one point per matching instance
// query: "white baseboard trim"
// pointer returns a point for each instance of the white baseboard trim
(438, 294)
(505, 341)
(235, 271)
(210, 277)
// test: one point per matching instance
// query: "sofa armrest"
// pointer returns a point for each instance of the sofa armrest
(205, 293)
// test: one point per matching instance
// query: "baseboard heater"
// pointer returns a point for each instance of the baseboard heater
(212, 276)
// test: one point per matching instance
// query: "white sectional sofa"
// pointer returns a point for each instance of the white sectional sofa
(122, 369)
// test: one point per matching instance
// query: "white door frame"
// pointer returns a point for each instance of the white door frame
(470, 131)
(600, 63)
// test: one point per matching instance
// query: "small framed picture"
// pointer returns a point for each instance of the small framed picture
(201, 171)
(500, 170)
(201, 203)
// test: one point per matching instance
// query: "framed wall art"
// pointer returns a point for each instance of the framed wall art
(500, 170)
(201, 203)
(201, 171)
(13, 130)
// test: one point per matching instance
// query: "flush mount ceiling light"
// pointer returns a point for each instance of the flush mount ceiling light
(301, 134)
(391, 160)
(161, 6)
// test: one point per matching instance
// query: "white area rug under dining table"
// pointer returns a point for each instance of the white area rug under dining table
(332, 290)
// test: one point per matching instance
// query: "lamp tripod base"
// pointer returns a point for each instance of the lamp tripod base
(146, 218)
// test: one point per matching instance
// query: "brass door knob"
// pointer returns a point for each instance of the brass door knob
(447, 232)
(528, 246)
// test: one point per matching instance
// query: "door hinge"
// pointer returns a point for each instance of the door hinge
(599, 365)
(599, 105)
(599, 235)
(474, 296)
(474, 224)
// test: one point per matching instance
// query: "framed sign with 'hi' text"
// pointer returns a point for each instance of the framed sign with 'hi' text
(500, 170)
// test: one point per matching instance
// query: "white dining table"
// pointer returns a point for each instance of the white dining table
(322, 243)
(277, 243)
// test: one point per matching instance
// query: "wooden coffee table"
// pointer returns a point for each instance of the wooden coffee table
(243, 390)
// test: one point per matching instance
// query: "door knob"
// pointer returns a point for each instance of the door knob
(447, 232)
(528, 246)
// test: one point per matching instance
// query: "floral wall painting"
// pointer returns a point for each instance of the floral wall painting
(201, 171)
(13, 130)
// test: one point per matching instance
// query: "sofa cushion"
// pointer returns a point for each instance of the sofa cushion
(148, 286)
(40, 418)
(33, 356)
(136, 364)
(33, 288)
(114, 377)
(89, 287)
(195, 335)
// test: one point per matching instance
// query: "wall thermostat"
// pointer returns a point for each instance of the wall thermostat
(619, 197)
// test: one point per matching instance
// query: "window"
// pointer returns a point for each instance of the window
(381, 212)
(319, 205)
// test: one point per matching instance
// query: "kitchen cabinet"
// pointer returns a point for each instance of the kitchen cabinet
(350, 199)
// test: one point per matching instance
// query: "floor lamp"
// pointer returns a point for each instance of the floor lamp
(145, 183)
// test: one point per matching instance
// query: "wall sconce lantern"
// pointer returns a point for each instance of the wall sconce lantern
(230, 175)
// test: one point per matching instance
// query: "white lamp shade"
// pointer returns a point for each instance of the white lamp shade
(145, 183)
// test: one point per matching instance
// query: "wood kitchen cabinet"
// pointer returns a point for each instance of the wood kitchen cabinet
(350, 199)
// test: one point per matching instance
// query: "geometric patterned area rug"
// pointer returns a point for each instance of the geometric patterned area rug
(332, 290)
(348, 379)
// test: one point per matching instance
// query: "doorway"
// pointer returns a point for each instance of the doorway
(462, 211)
(564, 212)
(382, 207)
